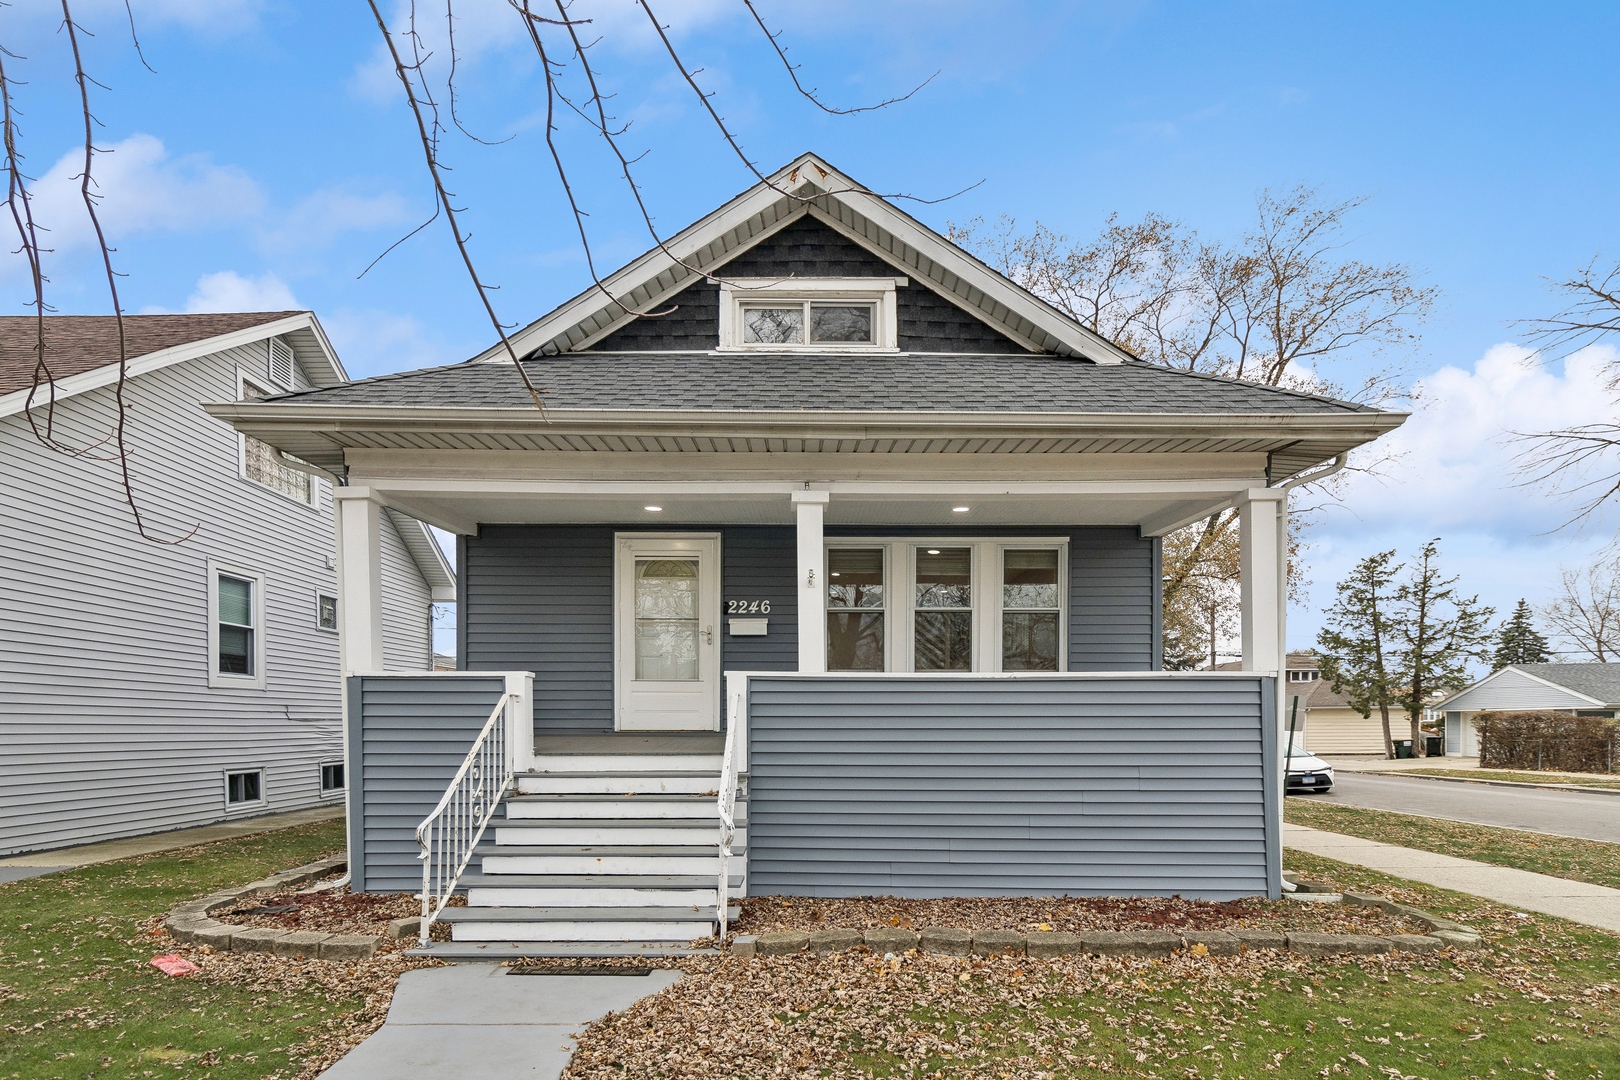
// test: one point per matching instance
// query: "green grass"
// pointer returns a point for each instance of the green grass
(1607, 781)
(1592, 861)
(78, 996)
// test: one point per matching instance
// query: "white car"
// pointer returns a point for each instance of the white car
(1308, 773)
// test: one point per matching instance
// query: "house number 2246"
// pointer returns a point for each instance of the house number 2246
(748, 607)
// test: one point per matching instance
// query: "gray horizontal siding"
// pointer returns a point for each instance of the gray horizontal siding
(407, 738)
(914, 786)
(540, 598)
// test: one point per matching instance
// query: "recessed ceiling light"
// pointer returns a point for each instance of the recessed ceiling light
(654, 509)
(933, 551)
(960, 509)
(836, 574)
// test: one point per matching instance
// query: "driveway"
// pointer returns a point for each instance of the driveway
(1565, 813)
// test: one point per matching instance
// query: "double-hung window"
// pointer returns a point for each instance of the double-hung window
(235, 627)
(947, 605)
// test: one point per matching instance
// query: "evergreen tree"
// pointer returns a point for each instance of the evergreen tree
(1518, 642)
(1357, 657)
(1438, 632)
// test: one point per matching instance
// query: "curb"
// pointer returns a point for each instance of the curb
(190, 921)
(1503, 783)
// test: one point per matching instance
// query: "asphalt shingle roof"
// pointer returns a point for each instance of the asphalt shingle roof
(800, 381)
(1600, 681)
(76, 343)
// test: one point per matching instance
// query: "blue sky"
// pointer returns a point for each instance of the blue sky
(269, 159)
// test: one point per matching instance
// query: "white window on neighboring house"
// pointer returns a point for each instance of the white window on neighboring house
(259, 463)
(332, 777)
(809, 315)
(326, 612)
(244, 789)
(235, 627)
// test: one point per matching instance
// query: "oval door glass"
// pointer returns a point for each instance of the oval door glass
(666, 620)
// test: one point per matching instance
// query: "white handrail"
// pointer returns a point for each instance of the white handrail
(449, 835)
(728, 806)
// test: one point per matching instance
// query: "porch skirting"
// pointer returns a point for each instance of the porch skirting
(960, 786)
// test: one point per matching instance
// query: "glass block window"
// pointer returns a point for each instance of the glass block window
(855, 609)
(259, 462)
(1030, 610)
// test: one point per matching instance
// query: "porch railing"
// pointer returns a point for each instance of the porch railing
(449, 835)
(729, 771)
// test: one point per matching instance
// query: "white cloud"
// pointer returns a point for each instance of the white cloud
(320, 217)
(374, 342)
(230, 291)
(142, 190)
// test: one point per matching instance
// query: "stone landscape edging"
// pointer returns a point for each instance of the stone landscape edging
(955, 941)
(190, 922)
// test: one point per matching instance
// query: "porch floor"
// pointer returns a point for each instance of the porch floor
(631, 742)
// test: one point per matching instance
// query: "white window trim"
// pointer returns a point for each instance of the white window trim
(223, 679)
(316, 497)
(879, 291)
(334, 629)
(325, 792)
(225, 789)
(899, 569)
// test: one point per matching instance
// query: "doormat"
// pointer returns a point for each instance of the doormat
(541, 969)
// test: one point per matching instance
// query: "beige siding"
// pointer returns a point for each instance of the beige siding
(1345, 731)
(108, 722)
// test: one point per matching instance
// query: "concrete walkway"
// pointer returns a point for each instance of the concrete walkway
(1593, 905)
(476, 1020)
(18, 867)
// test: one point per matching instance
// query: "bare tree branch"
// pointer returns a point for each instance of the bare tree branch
(810, 95)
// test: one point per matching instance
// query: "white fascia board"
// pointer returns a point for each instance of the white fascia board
(107, 375)
(853, 424)
(835, 186)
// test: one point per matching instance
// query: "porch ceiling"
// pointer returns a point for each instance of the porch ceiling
(1049, 506)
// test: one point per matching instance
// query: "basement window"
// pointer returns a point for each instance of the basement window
(809, 315)
(331, 777)
(244, 789)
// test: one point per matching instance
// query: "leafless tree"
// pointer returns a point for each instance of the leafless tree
(1585, 615)
(1281, 306)
(1578, 462)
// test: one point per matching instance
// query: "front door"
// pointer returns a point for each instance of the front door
(666, 630)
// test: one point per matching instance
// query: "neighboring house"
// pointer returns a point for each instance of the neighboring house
(855, 531)
(1582, 689)
(1326, 722)
(150, 685)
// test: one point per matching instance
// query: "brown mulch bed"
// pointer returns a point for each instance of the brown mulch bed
(336, 911)
(763, 914)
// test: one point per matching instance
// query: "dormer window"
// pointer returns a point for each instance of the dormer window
(809, 315)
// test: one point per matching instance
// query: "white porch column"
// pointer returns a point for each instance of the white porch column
(1264, 567)
(359, 574)
(809, 508)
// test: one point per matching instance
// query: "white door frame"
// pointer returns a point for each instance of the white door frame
(705, 547)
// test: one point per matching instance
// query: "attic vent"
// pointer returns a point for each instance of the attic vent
(281, 363)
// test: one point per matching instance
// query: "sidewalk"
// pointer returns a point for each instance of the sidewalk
(38, 863)
(1592, 905)
(1380, 763)
(476, 1020)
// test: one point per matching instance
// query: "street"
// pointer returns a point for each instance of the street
(1566, 813)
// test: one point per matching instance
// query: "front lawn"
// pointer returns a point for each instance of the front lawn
(1592, 861)
(78, 996)
(1593, 780)
(1541, 1002)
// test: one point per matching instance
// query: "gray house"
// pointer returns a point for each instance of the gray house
(830, 567)
(1581, 689)
(154, 685)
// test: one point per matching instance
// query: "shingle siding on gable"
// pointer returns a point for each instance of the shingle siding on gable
(807, 248)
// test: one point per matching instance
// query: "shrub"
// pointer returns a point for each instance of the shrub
(1561, 742)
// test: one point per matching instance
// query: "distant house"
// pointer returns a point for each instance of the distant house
(1582, 689)
(1324, 722)
(155, 685)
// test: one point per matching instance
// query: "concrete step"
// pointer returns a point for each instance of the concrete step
(677, 832)
(593, 891)
(616, 783)
(678, 931)
(486, 951)
(608, 861)
(693, 913)
(553, 764)
(578, 807)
